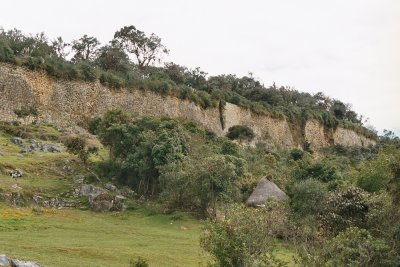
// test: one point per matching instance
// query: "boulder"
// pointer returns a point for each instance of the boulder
(102, 203)
(265, 190)
(4, 261)
(106, 202)
(78, 179)
(110, 186)
(16, 173)
(27, 149)
(20, 263)
(17, 140)
(91, 190)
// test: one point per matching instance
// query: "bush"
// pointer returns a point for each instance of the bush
(246, 237)
(356, 247)
(345, 208)
(240, 132)
(111, 80)
(230, 148)
(296, 154)
(307, 197)
(88, 72)
(139, 262)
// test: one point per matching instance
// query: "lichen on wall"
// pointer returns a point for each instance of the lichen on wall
(68, 103)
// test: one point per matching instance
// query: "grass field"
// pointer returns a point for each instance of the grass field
(71, 238)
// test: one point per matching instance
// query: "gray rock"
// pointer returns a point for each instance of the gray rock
(20, 156)
(38, 199)
(16, 173)
(20, 263)
(27, 149)
(91, 190)
(34, 144)
(78, 179)
(17, 140)
(102, 203)
(110, 186)
(50, 148)
(126, 192)
(4, 261)
(17, 199)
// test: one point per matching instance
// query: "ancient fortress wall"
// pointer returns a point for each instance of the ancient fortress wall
(66, 103)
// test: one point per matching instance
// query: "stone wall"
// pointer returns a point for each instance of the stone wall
(67, 103)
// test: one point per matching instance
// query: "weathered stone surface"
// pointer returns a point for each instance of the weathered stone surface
(110, 186)
(91, 190)
(79, 179)
(106, 202)
(4, 260)
(68, 103)
(20, 263)
(17, 140)
(16, 173)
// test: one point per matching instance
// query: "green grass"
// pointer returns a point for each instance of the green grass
(43, 172)
(73, 238)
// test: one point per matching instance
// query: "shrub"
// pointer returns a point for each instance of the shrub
(307, 197)
(246, 237)
(343, 209)
(356, 247)
(139, 262)
(88, 72)
(230, 148)
(240, 132)
(296, 154)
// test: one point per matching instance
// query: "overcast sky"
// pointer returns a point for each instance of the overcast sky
(348, 49)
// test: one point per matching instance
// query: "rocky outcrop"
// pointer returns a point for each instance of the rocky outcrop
(69, 103)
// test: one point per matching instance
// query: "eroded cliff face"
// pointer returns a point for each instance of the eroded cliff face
(66, 103)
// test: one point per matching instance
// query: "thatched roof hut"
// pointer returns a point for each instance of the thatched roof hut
(265, 190)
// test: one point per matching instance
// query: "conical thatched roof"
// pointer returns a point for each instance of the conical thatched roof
(264, 191)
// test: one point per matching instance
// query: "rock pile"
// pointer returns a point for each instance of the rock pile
(100, 199)
(16, 173)
(32, 146)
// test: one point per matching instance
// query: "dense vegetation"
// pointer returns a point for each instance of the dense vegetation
(127, 61)
(342, 209)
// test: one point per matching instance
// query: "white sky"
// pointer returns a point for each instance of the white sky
(349, 49)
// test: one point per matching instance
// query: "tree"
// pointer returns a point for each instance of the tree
(58, 45)
(203, 180)
(241, 133)
(339, 109)
(146, 49)
(112, 58)
(78, 145)
(85, 48)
